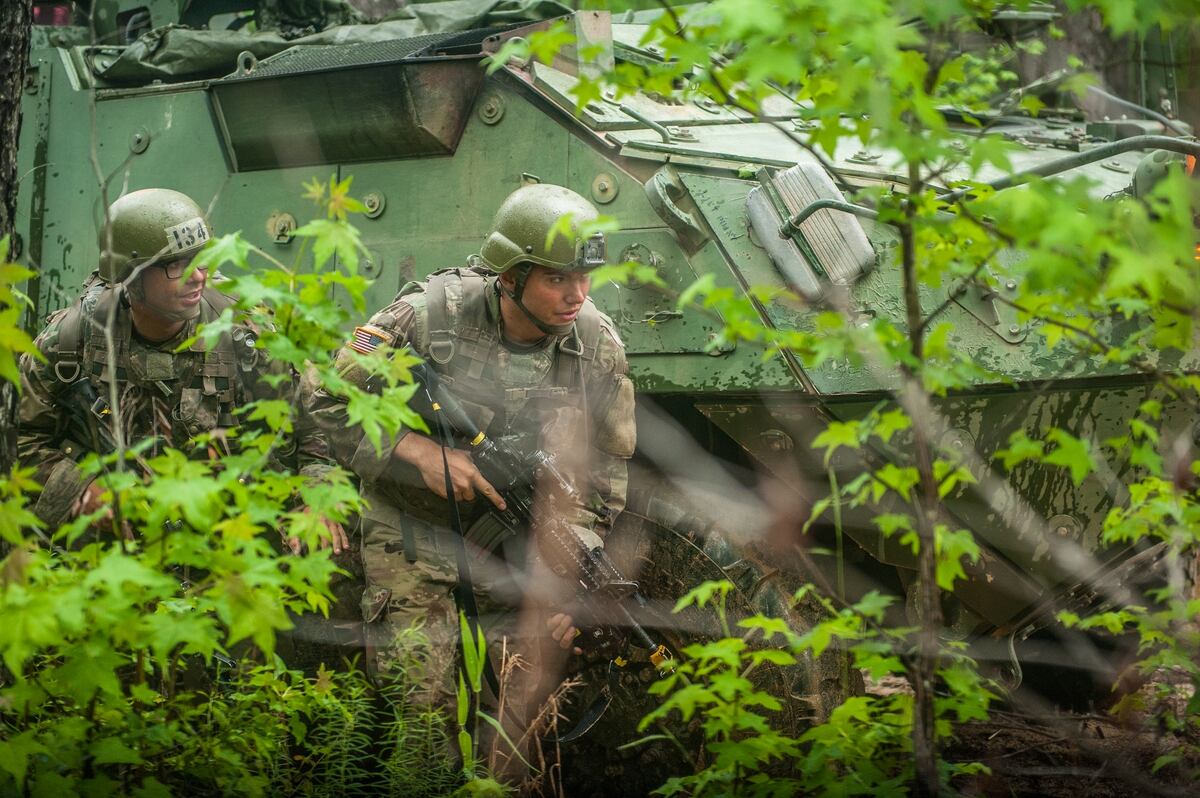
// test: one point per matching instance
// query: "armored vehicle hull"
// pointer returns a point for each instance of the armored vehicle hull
(435, 144)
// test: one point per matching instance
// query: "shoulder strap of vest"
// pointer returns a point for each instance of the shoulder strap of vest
(216, 300)
(76, 329)
(581, 343)
(68, 363)
(226, 358)
(441, 337)
(447, 294)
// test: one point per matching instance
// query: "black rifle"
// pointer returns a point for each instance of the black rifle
(516, 476)
(87, 421)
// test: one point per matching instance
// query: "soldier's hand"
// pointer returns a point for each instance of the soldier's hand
(562, 629)
(90, 501)
(426, 455)
(337, 538)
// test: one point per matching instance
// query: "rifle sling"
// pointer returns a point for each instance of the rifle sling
(464, 590)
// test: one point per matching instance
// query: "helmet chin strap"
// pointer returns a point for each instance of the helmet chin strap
(515, 296)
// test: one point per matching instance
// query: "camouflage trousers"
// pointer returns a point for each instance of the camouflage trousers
(412, 628)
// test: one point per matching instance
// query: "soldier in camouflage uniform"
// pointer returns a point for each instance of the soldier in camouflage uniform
(532, 360)
(143, 290)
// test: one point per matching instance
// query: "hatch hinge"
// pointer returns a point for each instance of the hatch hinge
(983, 302)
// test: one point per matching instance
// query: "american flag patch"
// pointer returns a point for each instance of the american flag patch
(367, 339)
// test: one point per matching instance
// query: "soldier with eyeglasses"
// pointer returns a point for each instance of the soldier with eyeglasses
(145, 293)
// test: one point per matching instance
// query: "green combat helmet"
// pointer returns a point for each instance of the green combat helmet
(152, 224)
(518, 239)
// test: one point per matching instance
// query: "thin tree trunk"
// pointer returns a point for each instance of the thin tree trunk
(924, 673)
(16, 17)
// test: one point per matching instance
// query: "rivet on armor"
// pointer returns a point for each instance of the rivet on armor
(1064, 526)
(957, 440)
(777, 440)
(370, 266)
(281, 228)
(604, 188)
(375, 202)
(491, 109)
(139, 141)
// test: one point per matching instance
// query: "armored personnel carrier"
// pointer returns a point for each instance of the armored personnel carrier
(179, 94)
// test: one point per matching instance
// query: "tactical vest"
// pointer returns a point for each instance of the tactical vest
(200, 387)
(463, 341)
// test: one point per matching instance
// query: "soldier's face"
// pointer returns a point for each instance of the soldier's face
(555, 297)
(171, 298)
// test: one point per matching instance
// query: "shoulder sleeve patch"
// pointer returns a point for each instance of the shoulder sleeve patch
(367, 338)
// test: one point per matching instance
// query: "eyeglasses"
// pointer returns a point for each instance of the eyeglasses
(175, 268)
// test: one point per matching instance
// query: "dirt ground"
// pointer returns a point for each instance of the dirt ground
(1034, 749)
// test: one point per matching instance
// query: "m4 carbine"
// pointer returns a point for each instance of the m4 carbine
(517, 476)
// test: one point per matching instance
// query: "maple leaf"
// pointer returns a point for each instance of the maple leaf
(314, 190)
(340, 201)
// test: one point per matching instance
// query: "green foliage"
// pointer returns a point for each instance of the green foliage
(1098, 282)
(143, 664)
(863, 748)
(100, 634)
(14, 341)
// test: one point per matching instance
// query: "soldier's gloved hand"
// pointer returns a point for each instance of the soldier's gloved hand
(562, 629)
(426, 455)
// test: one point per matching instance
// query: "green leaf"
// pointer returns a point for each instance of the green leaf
(873, 605)
(703, 593)
(463, 704)
(688, 699)
(891, 523)
(628, 273)
(1020, 448)
(949, 476)
(768, 626)
(334, 237)
(1071, 453)
(16, 752)
(277, 413)
(837, 435)
(474, 653)
(232, 249)
(1164, 760)
(503, 733)
(113, 751)
(889, 424)
(773, 656)
(701, 287)
(1032, 104)
(900, 480)
(465, 750)
(952, 547)
(544, 45)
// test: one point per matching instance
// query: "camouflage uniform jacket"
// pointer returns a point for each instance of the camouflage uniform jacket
(566, 391)
(161, 394)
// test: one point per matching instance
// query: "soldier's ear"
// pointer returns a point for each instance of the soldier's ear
(135, 289)
(508, 279)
